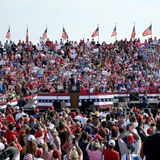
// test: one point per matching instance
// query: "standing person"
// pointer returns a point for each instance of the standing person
(96, 153)
(22, 102)
(151, 146)
(109, 153)
(75, 152)
(145, 102)
(158, 104)
(83, 144)
(10, 153)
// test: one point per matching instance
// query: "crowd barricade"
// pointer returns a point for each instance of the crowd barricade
(98, 99)
(13, 102)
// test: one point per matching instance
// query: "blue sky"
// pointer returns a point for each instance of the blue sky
(80, 18)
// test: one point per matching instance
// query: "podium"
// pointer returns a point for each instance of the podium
(74, 91)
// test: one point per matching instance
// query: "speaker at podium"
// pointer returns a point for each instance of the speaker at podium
(74, 91)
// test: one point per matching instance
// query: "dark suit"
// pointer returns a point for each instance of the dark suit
(144, 101)
(151, 147)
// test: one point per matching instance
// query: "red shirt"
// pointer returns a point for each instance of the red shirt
(19, 147)
(8, 134)
(110, 154)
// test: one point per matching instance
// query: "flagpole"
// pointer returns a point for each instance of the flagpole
(9, 27)
(26, 34)
(62, 33)
(116, 31)
(134, 27)
(98, 33)
(151, 28)
(47, 32)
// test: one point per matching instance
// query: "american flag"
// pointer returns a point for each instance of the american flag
(27, 36)
(148, 31)
(45, 34)
(64, 34)
(8, 34)
(133, 34)
(96, 32)
(114, 33)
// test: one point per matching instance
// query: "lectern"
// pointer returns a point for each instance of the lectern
(74, 91)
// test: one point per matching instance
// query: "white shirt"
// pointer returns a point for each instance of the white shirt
(19, 115)
(81, 119)
(132, 156)
(138, 147)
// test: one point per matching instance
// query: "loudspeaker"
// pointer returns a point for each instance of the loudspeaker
(87, 106)
(122, 99)
(134, 96)
(57, 106)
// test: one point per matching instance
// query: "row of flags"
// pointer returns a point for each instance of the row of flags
(44, 35)
(147, 32)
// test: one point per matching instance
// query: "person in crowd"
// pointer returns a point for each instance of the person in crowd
(151, 144)
(145, 102)
(129, 66)
(109, 153)
(75, 153)
(95, 153)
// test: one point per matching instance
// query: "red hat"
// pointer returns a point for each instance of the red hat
(26, 119)
(98, 137)
(114, 128)
(38, 134)
(130, 139)
(39, 152)
(150, 131)
(18, 126)
(56, 154)
(148, 118)
(13, 137)
(140, 117)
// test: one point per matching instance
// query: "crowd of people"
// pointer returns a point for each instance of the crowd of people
(114, 134)
(123, 66)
